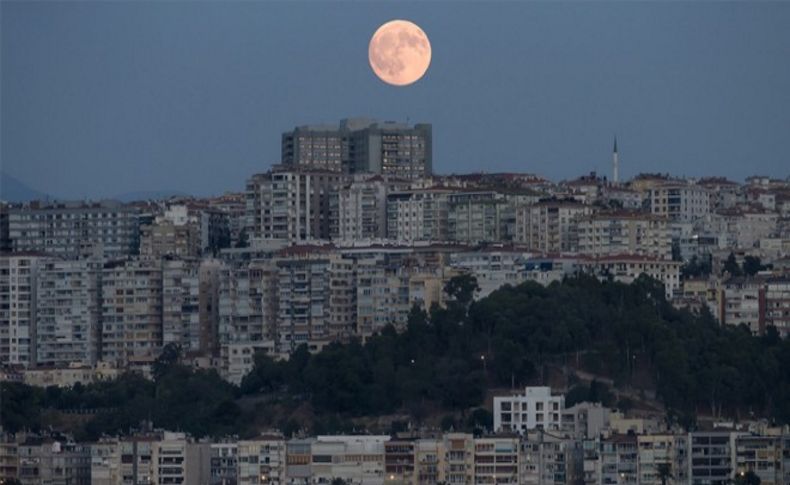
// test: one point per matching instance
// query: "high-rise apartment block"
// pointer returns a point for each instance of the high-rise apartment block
(68, 312)
(71, 229)
(361, 145)
(418, 215)
(362, 208)
(679, 202)
(291, 205)
(624, 232)
(18, 289)
(131, 311)
(550, 225)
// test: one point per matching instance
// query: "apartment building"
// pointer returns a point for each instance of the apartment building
(355, 459)
(399, 460)
(761, 455)
(68, 312)
(360, 145)
(178, 460)
(262, 460)
(777, 305)
(742, 302)
(71, 229)
(537, 408)
(679, 202)
(662, 459)
(617, 460)
(190, 306)
(362, 208)
(53, 462)
(548, 459)
(131, 311)
(418, 215)
(474, 217)
(304, 299)
(723, 193)
(428, 462)
(247, 316)
(173, 234)
(223, 463)
(742, 226)
(382, 297)
(386, 293)
(550, 225)
(624, 233)
(9, 458)
(292, 205)
(493, 267)
(105, 462)
(18, 294)
(711, 457)
(459, 458)
(585, 420)
(497, 460)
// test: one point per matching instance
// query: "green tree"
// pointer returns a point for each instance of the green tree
(244, 239)
(752, 265)
(731, 266)
(462, 289)
(170, 355)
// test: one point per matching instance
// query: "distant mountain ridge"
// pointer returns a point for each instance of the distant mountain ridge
(14, 190)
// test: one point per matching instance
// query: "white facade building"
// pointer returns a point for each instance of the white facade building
(537, 408)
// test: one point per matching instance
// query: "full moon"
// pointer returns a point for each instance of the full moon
(399, 52)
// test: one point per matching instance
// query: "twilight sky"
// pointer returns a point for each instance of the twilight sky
(101, 98)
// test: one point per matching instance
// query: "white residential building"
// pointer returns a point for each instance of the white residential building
(537, 408)
(679, 202)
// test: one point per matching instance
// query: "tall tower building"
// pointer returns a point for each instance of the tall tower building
(615, 163)
(361, 145)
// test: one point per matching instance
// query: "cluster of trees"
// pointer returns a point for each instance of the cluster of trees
(444, 361)
(751, 266)
(196, 401)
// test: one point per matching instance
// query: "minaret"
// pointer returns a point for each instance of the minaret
(615, 163)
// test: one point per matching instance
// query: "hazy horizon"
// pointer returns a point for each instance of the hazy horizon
(104, 98)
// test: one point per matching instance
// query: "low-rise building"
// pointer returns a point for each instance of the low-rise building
(537, 408)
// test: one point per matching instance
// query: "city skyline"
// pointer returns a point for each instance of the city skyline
(183, 93)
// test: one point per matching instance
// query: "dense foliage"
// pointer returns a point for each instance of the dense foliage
(444, 361)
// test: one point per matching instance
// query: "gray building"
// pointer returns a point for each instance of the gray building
(292, 205)
(362, 145)
(71, 229)
(131, 296)
(68, 312)
(712, 457)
